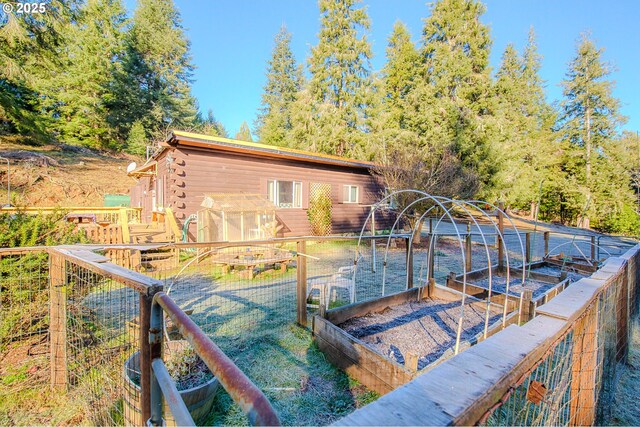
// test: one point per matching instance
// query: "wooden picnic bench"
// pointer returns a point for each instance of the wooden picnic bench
(250, 258)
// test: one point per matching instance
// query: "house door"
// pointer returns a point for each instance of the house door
(320, 208)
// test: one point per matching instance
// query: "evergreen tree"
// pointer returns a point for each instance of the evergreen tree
(154, 85)
(526, 139)
(210, 125)
(137, 139)
(399, 74)
(284, 81)
(589, 119)
(411, 155)
(30, 51)
(454, 104)
(340, 83)
(95, 47)
(244, 133)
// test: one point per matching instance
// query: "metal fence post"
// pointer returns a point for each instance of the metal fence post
(58, 320)
(145, 355)
(527, 255)
(593, 248)
(301, 267)
(156, 333)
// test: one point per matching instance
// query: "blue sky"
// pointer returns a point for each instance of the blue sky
(233, 39)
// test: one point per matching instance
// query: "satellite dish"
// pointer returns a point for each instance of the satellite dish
(132, 166)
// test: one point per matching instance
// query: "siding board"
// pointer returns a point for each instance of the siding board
(199, 171)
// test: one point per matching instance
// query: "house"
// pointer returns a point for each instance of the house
(201, 178)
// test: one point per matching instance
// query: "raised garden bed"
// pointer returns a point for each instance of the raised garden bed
(544, 280)
(386, 342)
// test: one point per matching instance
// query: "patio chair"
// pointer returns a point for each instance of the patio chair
(343, 278)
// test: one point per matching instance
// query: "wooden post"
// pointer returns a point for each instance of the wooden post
(583, 367)
(468, 264)
(145, 356)
(431, 255)
(500, 241)
(546, 244)
(373, 241)
(622, 320)
(527, 314)
(527, 248)
(58, 321)
(431, 289)
(593, 248)
(301, 267)
(324, 300)
(411, 361)
(124, 225)
(409, 262)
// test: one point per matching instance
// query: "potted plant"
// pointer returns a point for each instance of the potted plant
(194, 381)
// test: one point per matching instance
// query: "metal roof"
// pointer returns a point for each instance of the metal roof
(263, 150)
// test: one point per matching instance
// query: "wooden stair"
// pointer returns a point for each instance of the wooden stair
(158, 259)
(149, 233)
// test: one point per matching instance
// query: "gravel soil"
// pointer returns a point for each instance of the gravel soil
(427, 328)
(499, 284)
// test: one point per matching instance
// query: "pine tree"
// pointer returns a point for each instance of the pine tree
(95, 47)
(284, 81)
(244, 133)
(154, 85)
(589, 119)
(340, 83)
(454, 103)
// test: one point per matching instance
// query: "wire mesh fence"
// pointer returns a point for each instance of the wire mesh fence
(94, 330)
(245, 297)
(24, 281)
(574, 382)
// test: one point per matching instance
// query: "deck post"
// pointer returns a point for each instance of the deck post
(58, 320)
(124, 225)
(301, 270)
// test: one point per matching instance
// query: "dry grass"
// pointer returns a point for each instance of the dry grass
(71, 178)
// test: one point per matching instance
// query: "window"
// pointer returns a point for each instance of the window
(285, 194)
(350, 194)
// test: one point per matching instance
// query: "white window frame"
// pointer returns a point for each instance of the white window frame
(273, 193)
(347, 193)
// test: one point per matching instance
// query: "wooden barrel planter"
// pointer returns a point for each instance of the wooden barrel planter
(198, 400)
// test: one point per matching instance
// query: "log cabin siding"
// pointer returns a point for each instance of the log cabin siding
(196, 172)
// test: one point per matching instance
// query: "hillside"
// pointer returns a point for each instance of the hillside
(61, 175)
